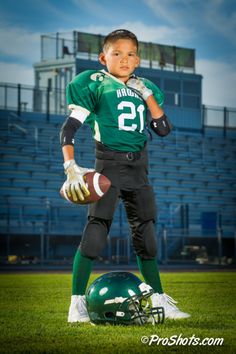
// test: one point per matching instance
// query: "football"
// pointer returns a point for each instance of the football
(97, 184)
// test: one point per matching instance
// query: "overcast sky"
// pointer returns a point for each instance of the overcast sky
(208, 26)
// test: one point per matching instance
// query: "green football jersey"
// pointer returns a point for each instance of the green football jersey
(116, 114)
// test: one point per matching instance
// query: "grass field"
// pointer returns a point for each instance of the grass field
(33, 316)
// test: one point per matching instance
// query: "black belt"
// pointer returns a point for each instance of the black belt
(102, 152)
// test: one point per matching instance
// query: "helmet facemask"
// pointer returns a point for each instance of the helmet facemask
(140, 311)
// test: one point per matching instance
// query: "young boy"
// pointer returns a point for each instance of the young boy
(114, 103)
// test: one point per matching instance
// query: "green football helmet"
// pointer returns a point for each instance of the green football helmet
(121, 298)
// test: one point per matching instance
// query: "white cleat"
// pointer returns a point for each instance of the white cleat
(78, 311)
(171, 310)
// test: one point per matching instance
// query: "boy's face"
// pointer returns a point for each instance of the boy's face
(120, 58)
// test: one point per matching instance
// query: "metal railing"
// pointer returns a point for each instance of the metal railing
(178, 248)
(80, 44)
(220, 117)
(25, 98)
(201, 247)
(15, 123)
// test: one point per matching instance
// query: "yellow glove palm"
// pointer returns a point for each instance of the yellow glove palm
(75, 183)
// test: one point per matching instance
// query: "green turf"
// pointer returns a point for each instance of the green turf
(33, 316)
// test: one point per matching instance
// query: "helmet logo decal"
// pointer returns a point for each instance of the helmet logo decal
(103, 291)
(116, 300)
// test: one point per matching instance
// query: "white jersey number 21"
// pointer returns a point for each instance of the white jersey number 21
(124, 117)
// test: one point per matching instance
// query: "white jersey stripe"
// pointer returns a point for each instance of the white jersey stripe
(79, 113)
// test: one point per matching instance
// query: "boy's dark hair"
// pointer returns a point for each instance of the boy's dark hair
(119, 34)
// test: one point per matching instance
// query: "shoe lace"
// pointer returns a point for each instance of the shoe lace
(169, 301)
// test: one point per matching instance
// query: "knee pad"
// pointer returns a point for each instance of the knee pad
(144, 240)
(94, 237)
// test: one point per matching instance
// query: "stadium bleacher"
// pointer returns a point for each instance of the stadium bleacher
(186, 168)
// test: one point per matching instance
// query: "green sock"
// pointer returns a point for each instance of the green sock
(82, 268)
(149, 270)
